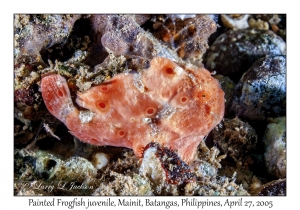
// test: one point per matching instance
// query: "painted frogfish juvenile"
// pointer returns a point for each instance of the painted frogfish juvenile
(173, 105)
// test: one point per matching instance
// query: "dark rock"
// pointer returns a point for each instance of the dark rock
(236, 138)
(261, 92)
(236, 50)
(274, 188)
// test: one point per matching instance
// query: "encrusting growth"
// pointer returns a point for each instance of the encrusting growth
(172, 105)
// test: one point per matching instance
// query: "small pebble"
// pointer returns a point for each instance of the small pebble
(100, 160)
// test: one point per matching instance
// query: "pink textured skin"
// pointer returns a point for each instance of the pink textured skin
(166, 103)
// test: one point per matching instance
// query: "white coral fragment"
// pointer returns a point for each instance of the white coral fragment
(235, 21)
(86, 116)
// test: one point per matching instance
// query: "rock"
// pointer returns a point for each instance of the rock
(275, 143)
(273, 188)
(236, 50)
(236, 138)
(228, 87)
(42, 32)
(187, 35)
(261, 92)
